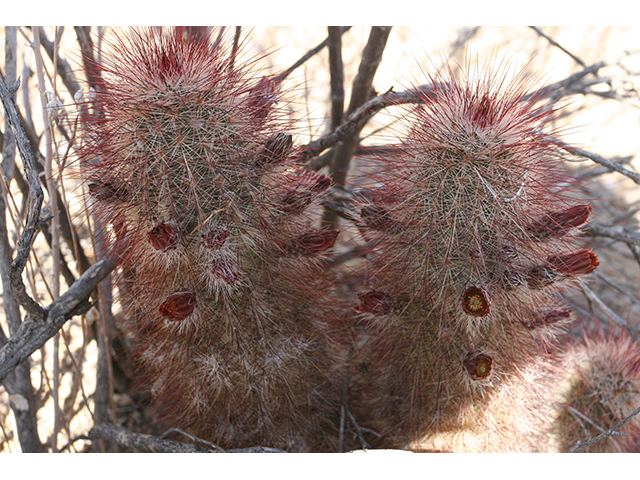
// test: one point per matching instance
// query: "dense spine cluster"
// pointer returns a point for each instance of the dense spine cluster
(188, 159)
(596, 387)
(472, 237)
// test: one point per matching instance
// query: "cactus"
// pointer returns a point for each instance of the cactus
(600, 388)
(473, 235)
(189, 160)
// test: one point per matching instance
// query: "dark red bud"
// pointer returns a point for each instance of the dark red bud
(478, 365)
(559, 223)
(120, 227)
(296, 202)
(262, 97)
(276, 149)
(548, 318)
(216, 237)
(581, 262)
(374, 302)
(178, 306)
(164, 236)
(312, 182)
(475, 302)
(315, 242)
(225, 270)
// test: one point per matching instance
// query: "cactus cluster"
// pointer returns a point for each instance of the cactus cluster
(188, 158)
(472, 235)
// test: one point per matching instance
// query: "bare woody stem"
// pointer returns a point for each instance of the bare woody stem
(362, 114)
(36, 330)
(337, 75)
(36, 197)
(360, 93)
(17, 384)
(149, 443)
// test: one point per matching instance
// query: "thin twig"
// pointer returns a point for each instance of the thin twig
(625, 292)
(91, 67)
(63, 68)
(359, 430)
(419, 94)
(337, 75)
(560, 88)
(234, 50)
(361, 91)
(613, 166)
(623, 234)
(193, 439)
(282, 76)
(613, 431)
(633, 331)
(556, 44)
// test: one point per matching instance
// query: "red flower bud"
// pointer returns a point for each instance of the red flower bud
(164, 236)
(178, 306)
(581, 262)
(105, 191)
(295, 202)
(322, 182)
(475, 302)
(315, 242)
(262, 97)
(478, 365)
(374, 302)
(276, 149)
(559, 223)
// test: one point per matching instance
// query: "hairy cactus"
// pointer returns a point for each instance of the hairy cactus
(188, 159)
(473, 235)
(600, 387)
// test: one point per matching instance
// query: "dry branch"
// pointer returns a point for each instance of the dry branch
(360, 93)
(556, 44)
(362, 113)
(37, 329)
(36, 197)
(613, 431)
(149, 443)
(623, 234)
